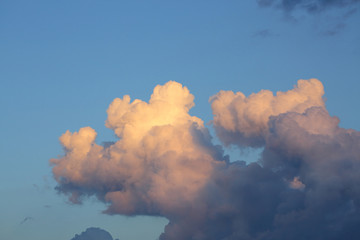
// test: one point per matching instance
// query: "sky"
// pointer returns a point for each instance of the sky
(77, 151)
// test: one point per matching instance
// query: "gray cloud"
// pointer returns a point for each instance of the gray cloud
(344, 10)
(93, 234)
(310, 6)
(26, 219)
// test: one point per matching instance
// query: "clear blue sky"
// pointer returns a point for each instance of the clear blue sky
(63, 62)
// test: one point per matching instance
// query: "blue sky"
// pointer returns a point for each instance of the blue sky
(63, 62)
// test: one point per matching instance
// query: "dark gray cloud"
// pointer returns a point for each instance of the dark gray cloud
(93, 233)
(305, 185)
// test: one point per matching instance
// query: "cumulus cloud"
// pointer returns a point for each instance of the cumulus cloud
(93, 234)
(162, 159)
(244, 120)
(305, 185)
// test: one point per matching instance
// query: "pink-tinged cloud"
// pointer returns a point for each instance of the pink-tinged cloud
(305, 185)
(244, 120)
(162, 159)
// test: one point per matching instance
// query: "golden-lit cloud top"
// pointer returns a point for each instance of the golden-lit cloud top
(161, 160)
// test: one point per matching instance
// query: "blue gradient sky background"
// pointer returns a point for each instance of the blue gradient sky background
(63, 62)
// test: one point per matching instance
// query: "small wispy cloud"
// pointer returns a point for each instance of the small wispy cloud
(264, 33)
(26, 219)
(338, 28)
(310, 6)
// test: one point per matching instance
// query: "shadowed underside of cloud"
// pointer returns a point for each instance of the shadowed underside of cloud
(305, 186)
(93, 234)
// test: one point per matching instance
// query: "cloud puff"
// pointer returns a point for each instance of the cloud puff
(244, 120)
(93, 234)
(305, 186)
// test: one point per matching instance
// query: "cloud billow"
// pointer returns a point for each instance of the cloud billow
(304, 186)
(244, 120)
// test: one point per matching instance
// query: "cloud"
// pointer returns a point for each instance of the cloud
(334, 29)
(305, 185)
(329, 24)
(297, 184)
(310, 6)
(305, 148)
(322, 160)
(264, 33)
(93, 234)
(162, 159)
(244, 120)
(26, 219)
